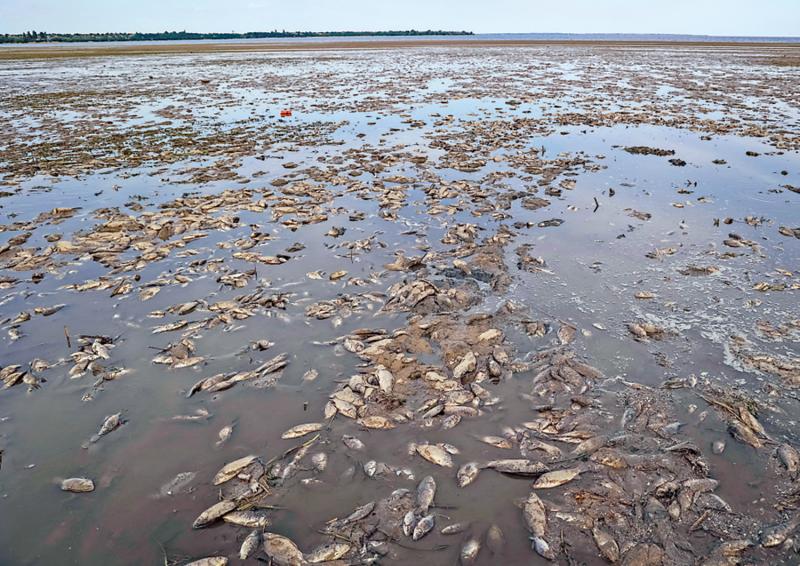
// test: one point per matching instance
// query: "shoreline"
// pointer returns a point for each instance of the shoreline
(66, 51)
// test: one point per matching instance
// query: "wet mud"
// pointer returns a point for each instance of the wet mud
(479, 306)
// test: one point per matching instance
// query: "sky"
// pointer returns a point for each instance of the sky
(702, 17)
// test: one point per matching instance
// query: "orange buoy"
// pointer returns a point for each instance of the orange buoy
(285, 112)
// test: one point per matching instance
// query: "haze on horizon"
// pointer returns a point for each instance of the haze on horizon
(700, 17)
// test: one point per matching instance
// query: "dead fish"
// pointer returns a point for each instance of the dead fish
(495, 539)
(490, 335)
(282, 551)
(224, 434)
(47, 311)
(549, 449)
(319, 461)
(789, 457)
(353, 346)
(187, 363)
(330, 410)
(406, 473)
(435, 454)
(674, 510)
(454, 529)
(262, 345)
(469, 552)
(467, 364)
(645, 554)
(409, 522)
(535, 515)
(302, 430)
(627, 416)
(39, 365)
(328, 552)
(460, 410)
(467, 474)
(101, 349)
(345, 408)
(213, 513)
(385, 379)
(688, 494)
(566, 333)
(556, 478)
(433, 411)
(176, 484)
(423, 527)
(77, 485)
(109, 424)
(734, 547)
(542, 548)
(715, 502)
(254, 519)
(231, 469)
(378, 547)
(606, 543)
(360, 512)
(352, 442)
(207, 383)
(450, 448)
(210, 561)
(520, 467)
(728, 553)
(776, 534)
(589, 446)
(700, 485)
(745, 434)
(250, 544)
(637, 331)
(450, 421)
(496, 441)
(185, 308)
(201, 414)
(335, 231)
(610, 458)
(170, 327)
(426, 490)
(376, 422)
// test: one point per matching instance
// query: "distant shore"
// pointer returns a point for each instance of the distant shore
(64, 50)
(29, 37)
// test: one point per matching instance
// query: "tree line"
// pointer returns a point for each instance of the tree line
(42, 36)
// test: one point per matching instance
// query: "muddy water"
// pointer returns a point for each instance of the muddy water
(400, 150)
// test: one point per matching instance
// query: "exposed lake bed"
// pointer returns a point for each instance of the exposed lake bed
(478, 304)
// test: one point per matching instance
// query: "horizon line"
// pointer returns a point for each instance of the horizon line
(427, 31)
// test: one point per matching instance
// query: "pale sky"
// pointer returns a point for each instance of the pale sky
(703, 17)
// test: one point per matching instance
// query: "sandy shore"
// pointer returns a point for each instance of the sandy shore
(68, 50)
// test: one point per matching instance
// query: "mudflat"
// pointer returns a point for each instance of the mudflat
(57, 50)
(480, 303)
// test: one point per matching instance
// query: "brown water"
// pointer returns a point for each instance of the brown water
(496, 127)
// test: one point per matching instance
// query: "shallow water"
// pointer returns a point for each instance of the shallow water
(495, 126)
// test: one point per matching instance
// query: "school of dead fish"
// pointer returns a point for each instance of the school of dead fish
(635, 490)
